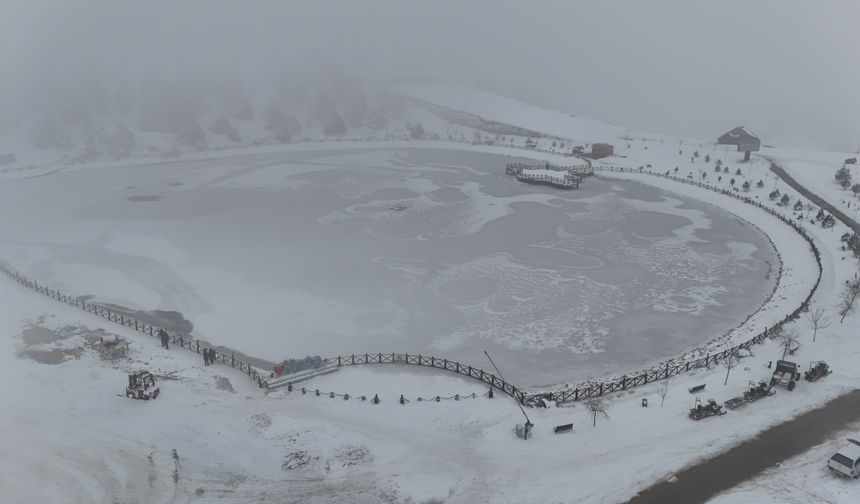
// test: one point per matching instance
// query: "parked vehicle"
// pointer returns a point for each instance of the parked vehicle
(141, 385)
(817, 369)
(756, 392)
(846, 461)
(786, 374)
(711, 408)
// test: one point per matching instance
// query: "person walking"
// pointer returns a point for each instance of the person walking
(165, 339)
(205, 356)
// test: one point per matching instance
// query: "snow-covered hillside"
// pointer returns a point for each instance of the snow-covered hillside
(494, 107)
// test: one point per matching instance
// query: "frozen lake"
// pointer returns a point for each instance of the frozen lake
(417, 250)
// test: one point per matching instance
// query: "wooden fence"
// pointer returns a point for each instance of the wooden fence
(675, 367)
(420, 360)
(185, 342)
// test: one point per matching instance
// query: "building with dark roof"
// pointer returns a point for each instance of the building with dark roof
(601, 150)
(737, 136)
(745, 140)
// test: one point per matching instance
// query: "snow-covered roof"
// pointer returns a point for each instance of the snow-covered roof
(851, 451)
(742, 132)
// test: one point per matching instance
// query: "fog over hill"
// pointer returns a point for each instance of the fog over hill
(92, 71)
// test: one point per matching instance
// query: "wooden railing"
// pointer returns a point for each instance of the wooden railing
(490, 379)
(183, 341)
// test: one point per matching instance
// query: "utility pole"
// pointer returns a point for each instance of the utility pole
(529, 424)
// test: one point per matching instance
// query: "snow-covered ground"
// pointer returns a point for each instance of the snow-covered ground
(74, 440)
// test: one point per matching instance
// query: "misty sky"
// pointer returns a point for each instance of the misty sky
(787, 69)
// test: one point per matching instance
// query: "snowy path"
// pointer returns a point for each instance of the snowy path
(697, 484)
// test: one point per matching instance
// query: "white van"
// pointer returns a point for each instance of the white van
(846, 462)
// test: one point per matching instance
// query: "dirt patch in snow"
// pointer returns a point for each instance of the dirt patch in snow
(296, 461)
(38, 335)
(353, 455)
(55, 346)
(48, 346)
(262, 421)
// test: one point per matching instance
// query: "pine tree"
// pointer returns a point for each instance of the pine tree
(843, 177)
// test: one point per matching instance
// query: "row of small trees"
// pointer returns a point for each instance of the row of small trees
(844, 179)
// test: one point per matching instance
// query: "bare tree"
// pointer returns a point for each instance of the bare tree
(596, 408)
(819, 319)
(730, 361)
(788, 342)
(849, 295)
(663, 392)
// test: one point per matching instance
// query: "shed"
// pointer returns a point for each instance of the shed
(737, 136)
(745, 140)
(602, 150)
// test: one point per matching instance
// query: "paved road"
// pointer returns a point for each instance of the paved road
(699, 483)
(781, 173)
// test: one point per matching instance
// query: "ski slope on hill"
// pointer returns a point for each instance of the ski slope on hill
(495, 107)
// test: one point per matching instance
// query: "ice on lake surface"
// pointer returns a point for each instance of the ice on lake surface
(402, 250)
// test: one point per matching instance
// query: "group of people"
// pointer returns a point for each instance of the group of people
(208, 356)
(165, 339)
(208, 353)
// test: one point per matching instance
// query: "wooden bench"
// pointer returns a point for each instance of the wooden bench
(697, 388)
(558, 429)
